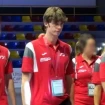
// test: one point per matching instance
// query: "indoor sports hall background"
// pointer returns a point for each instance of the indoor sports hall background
(21, 21)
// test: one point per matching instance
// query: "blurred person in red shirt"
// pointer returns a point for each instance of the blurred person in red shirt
(82, 89)
(6, 81)
(98, 78)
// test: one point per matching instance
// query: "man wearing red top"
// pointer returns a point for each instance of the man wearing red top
(46, 64)
(6, 81)
(98, 77)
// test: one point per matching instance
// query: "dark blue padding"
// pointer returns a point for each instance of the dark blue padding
(3, 36)
(16, 18)
(12, 45)
(100, 27)
(21, 53)
(17, 63)
(11, 36)
(28, 28)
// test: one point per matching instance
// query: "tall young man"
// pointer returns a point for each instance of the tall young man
(6, 81)
(46, 64)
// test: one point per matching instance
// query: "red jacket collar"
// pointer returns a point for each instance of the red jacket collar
(80, 59)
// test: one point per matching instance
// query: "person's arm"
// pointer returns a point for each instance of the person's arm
(97, 94)
(103, 85)
(68, 82)
(70, 88)
(72, 93)
(28, 66)
(73, 83)
(10, 88)
(69, 72)
(25, 88)
(97, 82)
(9, 83)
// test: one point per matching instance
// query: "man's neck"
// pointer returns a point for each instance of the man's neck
(52, 39)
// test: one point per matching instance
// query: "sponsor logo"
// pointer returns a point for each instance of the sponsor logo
(62, 54)
(45, 59)
(81, 67)
(81, 71)
(44, 53)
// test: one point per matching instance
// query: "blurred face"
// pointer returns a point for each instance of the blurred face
(54, 28)
(90, 47)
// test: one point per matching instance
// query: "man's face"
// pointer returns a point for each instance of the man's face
(54, 28)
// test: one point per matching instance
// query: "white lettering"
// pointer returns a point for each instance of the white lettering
(44, 53)
(80, 71)
(2, 57)
(62, 54)
(45, 59)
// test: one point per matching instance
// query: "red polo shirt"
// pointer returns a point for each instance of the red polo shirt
(40, 60)
(83, 75)
(99, 75)
(5, 68)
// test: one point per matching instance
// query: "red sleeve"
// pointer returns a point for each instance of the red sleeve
(96, 78)
(73, 62)
(27, 64)
(96, 73)
(9, 68)
(102, 71)
(28, 59)
(102, 68)
(70, 69)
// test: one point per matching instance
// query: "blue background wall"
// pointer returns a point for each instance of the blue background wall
(48, 2)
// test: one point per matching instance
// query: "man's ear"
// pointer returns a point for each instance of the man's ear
(46, 24)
